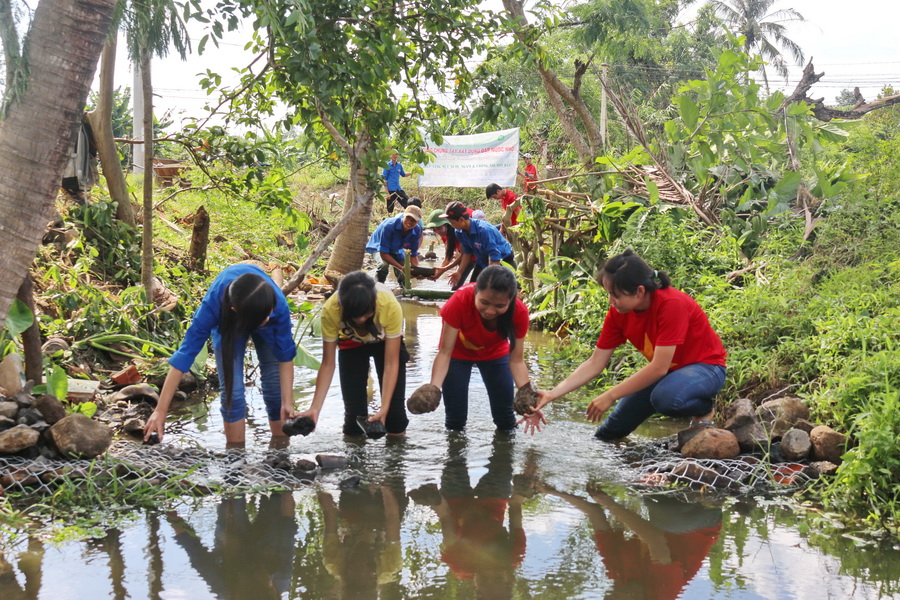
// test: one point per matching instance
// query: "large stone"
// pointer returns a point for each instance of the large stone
(424, 400)
(740, 413)
(781, 414)
(17, 439)
(823, 467)
(136, 393)
(76, 436)
(525, 400)
(827, 444)
(751, 437)
(795, 445)
(712, 443)
(6, 423)
(696, 476)
(8, 409)
(12, 374)
(51, 408)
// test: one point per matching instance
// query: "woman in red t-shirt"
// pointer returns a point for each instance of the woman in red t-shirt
(484, 325)
(686, 366)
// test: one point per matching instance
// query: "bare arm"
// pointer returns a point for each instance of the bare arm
(389, 379)
(517, 363)
(323, 380)
(157, 421)
(286, 376)
(586, 371)
(645, 376)
(442, 360)
(389, 259)
(464, 261)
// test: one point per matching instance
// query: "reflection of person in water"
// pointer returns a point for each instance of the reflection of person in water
(249, 559)
(476, 545)
(362, 539)
(666, 550)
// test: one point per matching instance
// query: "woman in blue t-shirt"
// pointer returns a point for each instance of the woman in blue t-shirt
(242, 302)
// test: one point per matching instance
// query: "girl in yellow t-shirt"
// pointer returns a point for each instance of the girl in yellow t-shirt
(363, 320)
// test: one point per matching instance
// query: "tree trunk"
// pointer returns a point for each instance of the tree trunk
(350, 247)
(36, 138)
(100, 120)
(31, 337)
(199, 240)
(147, 237)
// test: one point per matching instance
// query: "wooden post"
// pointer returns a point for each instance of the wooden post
(406, 270)
(199, 240)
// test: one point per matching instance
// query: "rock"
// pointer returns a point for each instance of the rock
(683, 437)
(134, 426)
(373, 429)
(17, 439)
(6, 423)
(76, 436)
(135, 393)
(8, 409)
(350, 482)
(697, 476)
(712, 443)
(431, 255)
(189, 383)
(23, 400)
(795, 445)
(54, 345)
(781, 414)
(751, 437)
(331, 461)
(304, 464)
(804, 425)
(12, 374)
(50, 408)
(823, 467)
(740, 413)
(525, 400)
(279, 460)
(28, 416)
(827, 444)
(424, 400)
(775, 455)
(298, 426)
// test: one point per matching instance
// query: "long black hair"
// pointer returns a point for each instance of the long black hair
(501, 280)
(627, 271)
(248, 301)
(357, 297)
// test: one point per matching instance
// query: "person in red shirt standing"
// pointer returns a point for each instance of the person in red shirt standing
(484, 325)
(529, 175)
(686, 366)
(506, 197)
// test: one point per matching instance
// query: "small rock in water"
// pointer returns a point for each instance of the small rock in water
(152, 440)
(373, 429)
(351, 482)
(331, 461)
(424, 400)
(298, 426)
(526, 399)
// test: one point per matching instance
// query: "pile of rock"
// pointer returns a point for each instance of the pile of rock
(39, 426)
(777, 431)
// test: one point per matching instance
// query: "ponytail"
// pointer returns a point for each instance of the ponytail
(248, 301)
(627, 271)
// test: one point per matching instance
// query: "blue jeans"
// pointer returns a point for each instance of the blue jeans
(500, 388)
(686, 392)
(269, 376)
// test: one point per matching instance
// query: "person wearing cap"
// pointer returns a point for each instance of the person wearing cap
(392, 237)
(529, 175)
(480, 242)
(506, 197)
(391, 175)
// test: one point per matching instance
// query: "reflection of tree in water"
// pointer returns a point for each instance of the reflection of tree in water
(651, 558)
(250, 559)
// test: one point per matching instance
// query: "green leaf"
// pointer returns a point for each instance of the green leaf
(88, 409)
(199, 366)
(304, 358)
(19, 318)
(688, 111)
(58, 382)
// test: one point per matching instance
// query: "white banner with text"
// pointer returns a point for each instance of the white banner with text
(473, 160)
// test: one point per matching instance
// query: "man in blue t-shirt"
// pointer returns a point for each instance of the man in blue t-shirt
(392, 237)
(392, 174)
(479, 241)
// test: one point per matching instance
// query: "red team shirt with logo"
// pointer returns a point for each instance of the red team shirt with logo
(475, 342)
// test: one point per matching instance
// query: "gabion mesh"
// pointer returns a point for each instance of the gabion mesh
(190, 470)
(653, 465)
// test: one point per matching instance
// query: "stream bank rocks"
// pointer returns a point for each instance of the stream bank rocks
(774, 441)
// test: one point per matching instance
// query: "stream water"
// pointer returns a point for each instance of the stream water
(440, 515)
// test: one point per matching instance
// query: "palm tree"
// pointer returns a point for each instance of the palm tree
(763, 31)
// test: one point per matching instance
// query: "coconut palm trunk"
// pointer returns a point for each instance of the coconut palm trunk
(41, 117)
(350, 246)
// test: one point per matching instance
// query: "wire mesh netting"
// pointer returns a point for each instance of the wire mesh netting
(189, 470)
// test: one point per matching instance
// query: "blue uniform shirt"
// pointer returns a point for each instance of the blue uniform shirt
(389, 238)
(392, 174)
(484, 241)
(278, 331)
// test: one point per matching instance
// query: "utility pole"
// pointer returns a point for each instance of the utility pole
(603, 67)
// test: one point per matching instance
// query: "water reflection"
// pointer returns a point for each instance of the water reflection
(647, 557)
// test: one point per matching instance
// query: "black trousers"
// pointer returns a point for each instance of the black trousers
(400, 197)
(353, 367)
